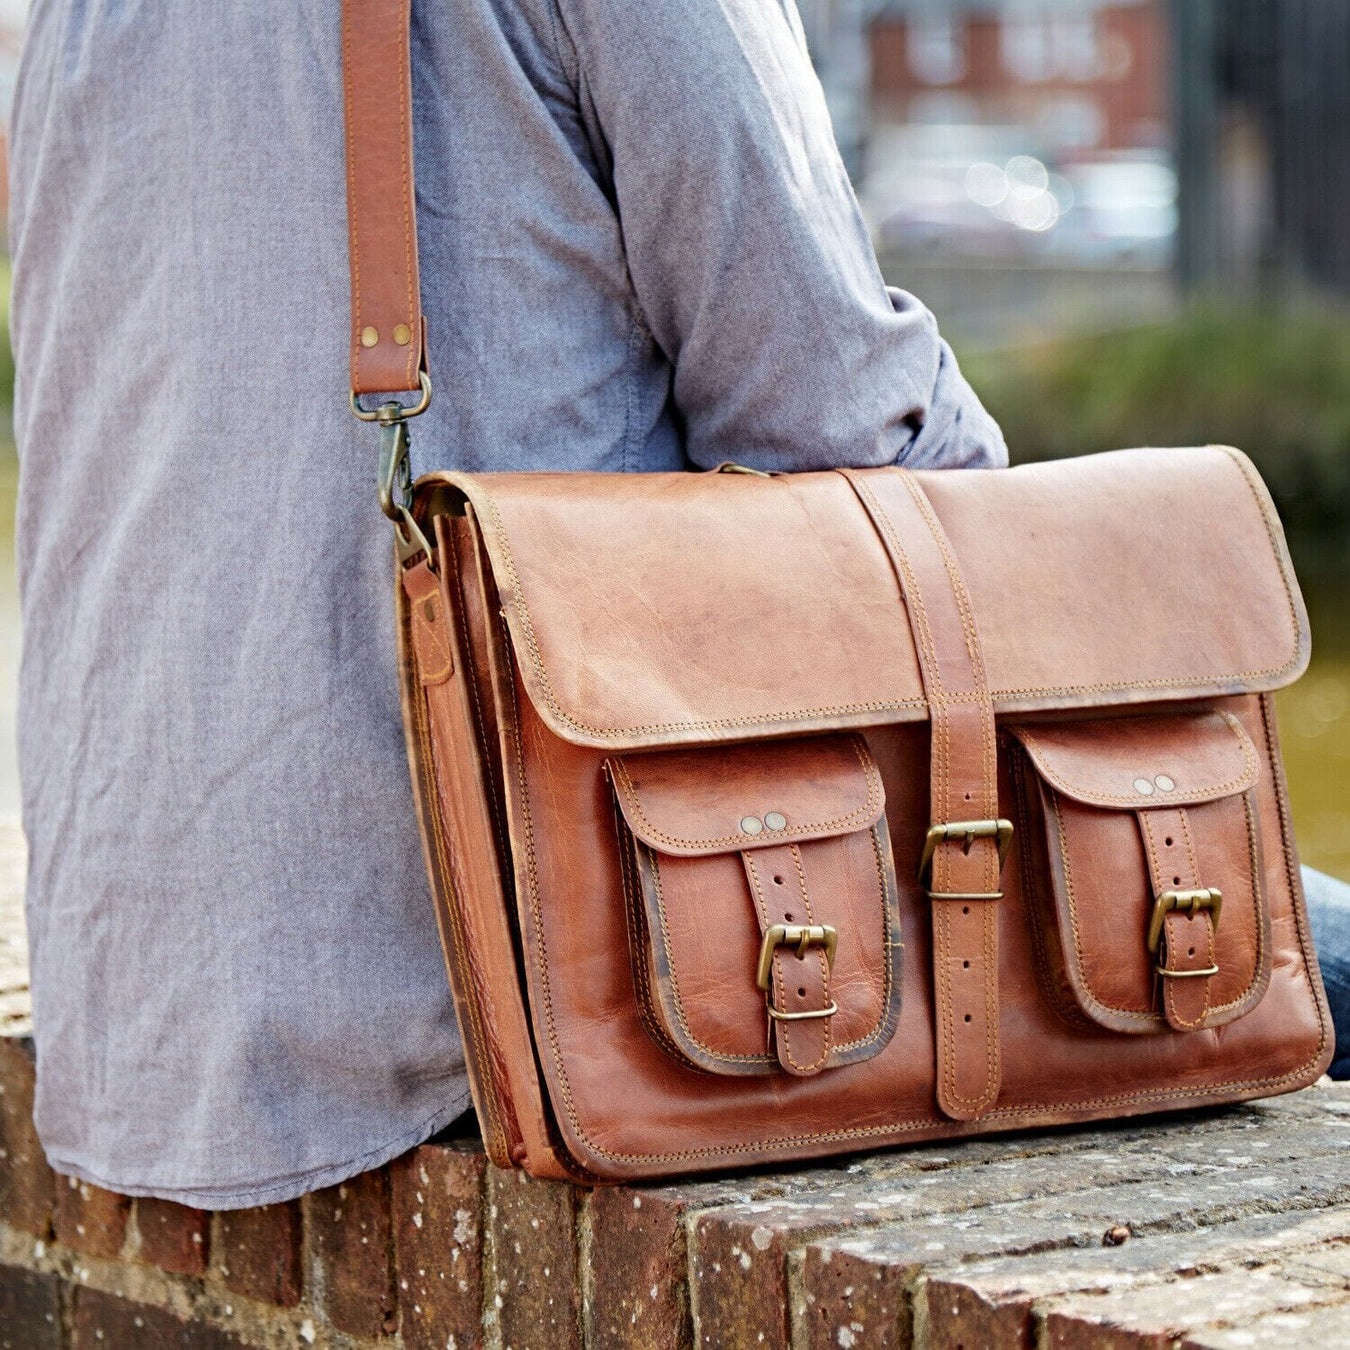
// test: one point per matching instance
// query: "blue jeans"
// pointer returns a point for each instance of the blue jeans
(1329, 910)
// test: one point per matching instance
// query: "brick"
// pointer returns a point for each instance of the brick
(858, 1304)
(30, 1310)
(537, 1298)
(351, 1247)
(991, 1302)
(1321, 1327)
(173, 1237)
(1214, 1192)
(102, 1321)
(742, 1251)
(1159, 1315)
(257, 1252)
(437, 1197)
(90, 1219)
(27, 1184)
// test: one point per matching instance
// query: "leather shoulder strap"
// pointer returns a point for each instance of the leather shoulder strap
(388, 331)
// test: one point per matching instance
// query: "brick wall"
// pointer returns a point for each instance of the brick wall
(1224, 1230)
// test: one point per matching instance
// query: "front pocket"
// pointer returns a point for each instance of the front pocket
(763, 915)
(1141, 865)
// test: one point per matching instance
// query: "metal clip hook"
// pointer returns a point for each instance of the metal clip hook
(395, 484)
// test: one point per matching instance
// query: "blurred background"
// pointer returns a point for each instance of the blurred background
(1132, 218)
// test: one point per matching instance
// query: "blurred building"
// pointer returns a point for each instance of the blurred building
(1080, 74)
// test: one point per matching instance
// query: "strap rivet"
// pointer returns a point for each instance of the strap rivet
(1164, 783)
(369, 336)
(1143, 787)
(751, 825)
(775, 820)
(402, 334)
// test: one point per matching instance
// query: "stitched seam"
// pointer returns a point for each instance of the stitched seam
(780, 1030)
(1256, 905)
(1066, 1009)
(639, 940)
(912, 597)
(1258, 496)
(988, 760)
(887, 981)
(887, 954)
(1132, 1013)
(439, 642)
(795, 853)
(546, 689)
(902, 1127)
(910, 592)
(675, 983)
(781, 1142)
(354, 232)
(405, 140)
(871, 805)
(1244, 780)
(1169, 988)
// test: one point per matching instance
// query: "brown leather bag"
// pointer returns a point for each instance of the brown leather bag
(773, 817)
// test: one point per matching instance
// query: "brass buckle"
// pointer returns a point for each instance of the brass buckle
(803, 936)
(1194, 901)
(970, 831)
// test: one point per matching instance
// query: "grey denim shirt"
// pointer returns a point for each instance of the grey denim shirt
(639, 251)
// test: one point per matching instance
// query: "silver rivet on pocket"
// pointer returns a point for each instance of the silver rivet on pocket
(753, 824)
(1142, 785)
(775, 820)
(1165, 784)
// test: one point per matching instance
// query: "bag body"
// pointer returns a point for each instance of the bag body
(769, 817)
(775, 817)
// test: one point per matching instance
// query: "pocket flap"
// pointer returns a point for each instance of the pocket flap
(1138, 762)
(763, 912)
(769, 793)
(1140, 858)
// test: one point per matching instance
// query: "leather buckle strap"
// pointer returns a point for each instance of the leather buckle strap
(963, 782)
(796, 959)
(1184, 919)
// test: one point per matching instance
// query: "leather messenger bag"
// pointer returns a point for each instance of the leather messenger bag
(771, 817)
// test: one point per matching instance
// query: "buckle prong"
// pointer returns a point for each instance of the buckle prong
(803, 936)
(1205, 898)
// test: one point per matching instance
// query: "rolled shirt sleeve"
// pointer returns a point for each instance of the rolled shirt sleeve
(748, 254)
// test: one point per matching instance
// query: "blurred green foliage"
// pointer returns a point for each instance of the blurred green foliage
(1276, 385)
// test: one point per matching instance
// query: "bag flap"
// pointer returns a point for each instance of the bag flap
(676, 803)
(1135, 762)
(680, 608)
